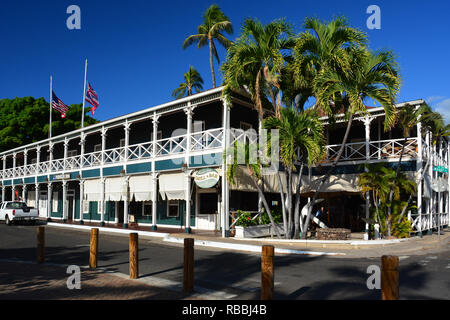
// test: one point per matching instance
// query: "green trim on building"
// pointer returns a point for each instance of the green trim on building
(168, 164)
(139, 167)
(112, 171)
(94, 173)
(204, 160)
(7, 182)
(18, 181)
(41, 179)
(29, 181)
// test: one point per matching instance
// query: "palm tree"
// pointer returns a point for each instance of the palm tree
(298, 132)
(321, 47)
(215, 22)
(371, 75)
(254, 171)
(256, 59)
(192, 80)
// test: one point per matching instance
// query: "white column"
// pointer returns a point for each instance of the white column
(66, 151)
(64, 201)
(188, 202)
(49, 200)
(24, 193)
(14, 165)
(25, 160)
(3, 193)
(125, 203)
(4, 169)
(38, 158)
(225, 186)
(102, 204)
(367, 122)
(419, 170)
(50, 151)
(81, 200)
(82, 142)
(126, 128)
(189, 113)
(13, 193)
(154, 200)
(36, 195)
(103, 134)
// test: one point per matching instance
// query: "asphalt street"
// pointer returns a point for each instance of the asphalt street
(235, 275)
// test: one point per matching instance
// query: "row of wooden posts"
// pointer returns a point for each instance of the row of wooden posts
(389, 265)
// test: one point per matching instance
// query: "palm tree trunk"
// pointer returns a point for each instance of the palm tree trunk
(298, 226)
(211, 62)
(289, 204)
(327, 175)
(283, 205)
(266, 206)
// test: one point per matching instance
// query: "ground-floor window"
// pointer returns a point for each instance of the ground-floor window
(146, 208)
(173, 208)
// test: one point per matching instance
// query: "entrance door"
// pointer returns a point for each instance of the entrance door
(70, 207)
(207, 210)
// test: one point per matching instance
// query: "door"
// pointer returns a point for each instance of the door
(207, 210)
(43, 204)
(70, 207)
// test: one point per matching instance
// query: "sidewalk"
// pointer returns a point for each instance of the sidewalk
(342, 249)
(31, 281)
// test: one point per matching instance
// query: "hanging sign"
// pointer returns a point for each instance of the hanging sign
(206, 178)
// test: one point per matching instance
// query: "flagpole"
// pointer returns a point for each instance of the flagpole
(84, 94)
(51, 101)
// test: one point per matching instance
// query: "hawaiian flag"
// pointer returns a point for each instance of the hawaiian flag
(92, 98)
(58, 105)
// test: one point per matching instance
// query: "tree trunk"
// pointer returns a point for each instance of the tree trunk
(289, 204)
(266, 206)
(283, 205)
(327, 175)
(211, 62)
(298, 226)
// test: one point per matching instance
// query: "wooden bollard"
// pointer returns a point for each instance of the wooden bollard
(40, 244)
(188, 280)
(134, 256)
(93, 249)
(389, 278)
(267, 273)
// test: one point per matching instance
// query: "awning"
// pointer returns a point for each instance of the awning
(141, 188)
(172, 186)
(93, 190)
(335, 185)
(244, 182)
(115, 189)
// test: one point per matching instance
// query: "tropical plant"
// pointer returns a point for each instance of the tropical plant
(379, 181)
(256, 59)
(215, 23)
(192, 80)
(301, 140)
(254, 170)
(370, 75)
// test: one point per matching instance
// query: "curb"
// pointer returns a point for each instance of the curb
(206, 243)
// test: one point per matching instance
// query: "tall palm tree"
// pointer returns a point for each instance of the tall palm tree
(321, 47)
(371, 75)
(215, 22)
(256, 59)
(192, 80)
(298, 132)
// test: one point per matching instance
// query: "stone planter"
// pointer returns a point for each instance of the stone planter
(256, 231)
(333, 234)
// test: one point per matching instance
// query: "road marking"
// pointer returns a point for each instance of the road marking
(403, 258)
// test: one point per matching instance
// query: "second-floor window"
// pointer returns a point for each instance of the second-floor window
(71, 153)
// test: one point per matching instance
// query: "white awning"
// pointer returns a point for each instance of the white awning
(93, 190)
(172, 186)
(336, 184)
(141, 188)
(115, 189)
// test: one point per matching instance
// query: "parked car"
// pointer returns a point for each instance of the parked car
(13, 211)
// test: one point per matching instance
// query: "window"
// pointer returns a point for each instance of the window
(173, 208)
(245, 126)
(99, 207)
(85, 206)
(34, 161)
(199, 126)
(147, 208)
(55, 202)
(97, 148)
(122, 143)
(71, 153)
(159, 135)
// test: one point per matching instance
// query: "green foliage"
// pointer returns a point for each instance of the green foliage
(192, 80)
(402, 229)
(26, 120)
(246, 218)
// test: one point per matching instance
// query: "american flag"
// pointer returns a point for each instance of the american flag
(58, 105)
(92, 98)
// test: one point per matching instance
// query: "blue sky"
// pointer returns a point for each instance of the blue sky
(135, 55)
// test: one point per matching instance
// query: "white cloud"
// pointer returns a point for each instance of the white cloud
(434, 98)
(443, 107)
